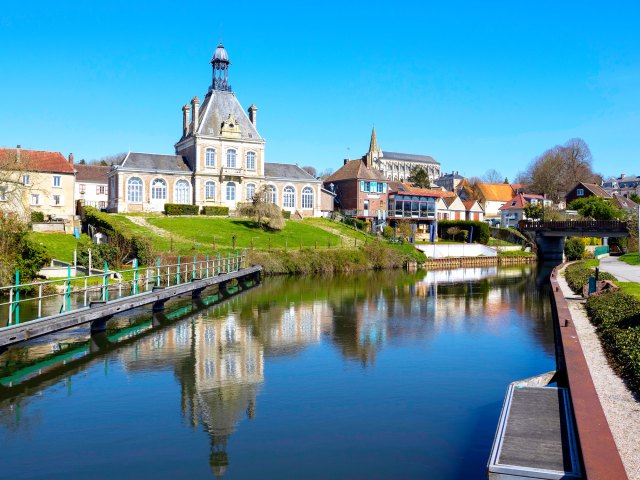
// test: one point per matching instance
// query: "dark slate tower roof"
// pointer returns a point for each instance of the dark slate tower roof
(216, 107)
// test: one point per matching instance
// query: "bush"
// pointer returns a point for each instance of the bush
(388, 232)
(356, 222)
(481, 230)
(574, 248)
(577, 276)
(180, 209)
(286, 214)
(613, 308)
(37, 216)
(215, 211)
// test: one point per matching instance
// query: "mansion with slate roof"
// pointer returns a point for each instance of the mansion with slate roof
(219, 161)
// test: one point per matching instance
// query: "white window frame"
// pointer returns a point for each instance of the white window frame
(181, 195)
(250, 191)
(135, 190)
(26, 180)
(159, 189)
(232, 155)
(59, 202)
(289, 197)
(210, 160)
(37, 198)
(272, 194)
(307, 198)
(230, 192)
(57, 181)
(209, 190)
(82, 188)
(3, 193)
(580, 192)
(251, 160)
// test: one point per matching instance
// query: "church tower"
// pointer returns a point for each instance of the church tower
(374, 153)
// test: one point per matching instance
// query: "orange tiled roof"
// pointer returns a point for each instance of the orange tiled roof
(496, 192)
(37, 160)
(420, 192)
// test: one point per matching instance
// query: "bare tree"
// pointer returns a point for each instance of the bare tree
(14, 168)
(108, 160)
(492, 176)
(327, 172)
(311, 170)
(265, 212)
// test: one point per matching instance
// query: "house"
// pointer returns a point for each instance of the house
(37, 180)
(360, 192)
(474, 210)
(451, 207)
(492, 196)
(418, 206)
(514, 211)
(91, 185)
(449, 181)
(219, 160)
(624, 203)
(623, 185)
(583, 190)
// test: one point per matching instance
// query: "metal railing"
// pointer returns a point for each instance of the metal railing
(98, 287)
(573, 225)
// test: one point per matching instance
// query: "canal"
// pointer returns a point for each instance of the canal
(379, 375)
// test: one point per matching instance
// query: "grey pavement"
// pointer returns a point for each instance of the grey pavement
(620, 270)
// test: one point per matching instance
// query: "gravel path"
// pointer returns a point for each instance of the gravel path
(142, 221)
(620, 407)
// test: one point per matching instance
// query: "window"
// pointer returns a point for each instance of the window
(271, 194)
(210, 157)
(82, 187)
(159, 189)
(56, 181)
(366, 207)
(231, 191)
(365, 186)
(134, 190)
(307, 197)
(251, 161)
(209, 191)
(182, 192)
(289, 197)
(251, 191)
(380, 187)
(3, 194)
(231, 158)
(101, 189)
(56, 200)
(35, 199)
(26, 180)
(580, 192)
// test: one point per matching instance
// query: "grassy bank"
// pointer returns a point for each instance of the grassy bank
(57, 245)
(631, 258)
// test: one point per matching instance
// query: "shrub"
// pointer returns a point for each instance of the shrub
(180, 209)
(481, 230)
(574, 248)
(577, 276)
(388, 232)
(215, 211)
(613, 308)
(355, 222)
(37, 216)
(286, 214)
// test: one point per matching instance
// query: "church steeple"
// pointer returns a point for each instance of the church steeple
(220, 63)
(374, 152)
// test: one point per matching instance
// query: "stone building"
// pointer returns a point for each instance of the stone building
(398, 166)
(219, 161)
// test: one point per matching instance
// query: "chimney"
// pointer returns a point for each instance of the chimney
(346, 160)
(253, 115)
(186, 110)
(18, 153)
(195, 105)
(71, 158)
(622, 176)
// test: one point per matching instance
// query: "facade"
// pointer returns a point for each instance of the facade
(398, 166)
(449, 181)
(583, 190)
(451, 207)
(36, 180)
(419, 206)
(219, 161)
(623, 185)
(474, 210)
(492, 196)
(514, 211)
(91, 186)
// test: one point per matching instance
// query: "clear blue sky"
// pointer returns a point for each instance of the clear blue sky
(475, 85)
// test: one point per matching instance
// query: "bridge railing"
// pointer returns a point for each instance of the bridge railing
(572, 225)
(77, 292)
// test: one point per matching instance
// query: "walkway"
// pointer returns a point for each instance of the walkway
(620, 407)
(622, 271)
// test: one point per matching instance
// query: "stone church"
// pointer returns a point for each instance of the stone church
(219, 161)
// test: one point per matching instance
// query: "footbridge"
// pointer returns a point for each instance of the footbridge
(95, 299)
(550, 236)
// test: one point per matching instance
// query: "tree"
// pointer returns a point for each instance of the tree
(18, 252)
(634, 197)
(266, 213)
(533, 211)
(108, 160)
(311, 170)
(326, 173)
(596, 208)
(14, 164)
(492, 176)
(506, 180)
(419, 177)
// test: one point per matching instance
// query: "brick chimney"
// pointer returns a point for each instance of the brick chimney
(195, 106)
(18, 153)
(71, 158)
(253, 115)
(186, 110)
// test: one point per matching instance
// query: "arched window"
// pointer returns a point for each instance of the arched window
(231, 158)
(251, 191)
(210, 157)
(134, 190)
(307, 197)
(289, 197)
(182, 192)
(159, 189)
(251, 161)
(231, 191)
(271, 194)
(209, 191)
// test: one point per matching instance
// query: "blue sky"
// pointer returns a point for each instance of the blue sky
(475, 85)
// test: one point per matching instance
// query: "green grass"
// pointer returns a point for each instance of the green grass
(631, 288)
(516, 253)
(58, 245)
(205, 230)
(631, 258)
(495, 242)
(339, 227)
(591, 262)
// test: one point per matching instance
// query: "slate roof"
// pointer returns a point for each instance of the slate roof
(355, 169)
(495, 192)
(624, 202)
(409, 157)
(91, 173)
(215, 109)
(286, 170)
(37, 160)
(155, 162)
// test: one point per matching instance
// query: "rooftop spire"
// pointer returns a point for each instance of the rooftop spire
(374, 153)
(220, 63)
(373, 145)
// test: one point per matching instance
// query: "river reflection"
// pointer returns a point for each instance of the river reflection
(378, 375)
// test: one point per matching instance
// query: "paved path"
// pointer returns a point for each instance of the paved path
(620, 407)
(622, 271)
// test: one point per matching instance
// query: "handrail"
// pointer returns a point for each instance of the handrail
(571, 224)
(142, 279)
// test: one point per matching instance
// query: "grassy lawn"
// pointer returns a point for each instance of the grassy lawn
(591, 262)
(516, 253)
(204, 230)
(160, 243)
(339, 227)
(495, 242)
(58, 245)
(631, 258)
(631, 288)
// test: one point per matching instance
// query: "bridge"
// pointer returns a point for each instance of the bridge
(550, 236)
(90, 299)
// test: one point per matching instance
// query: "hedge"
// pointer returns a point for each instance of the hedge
(37, 216)
(617, 318)
(215, 211)
(481, 230)
(180, 209)
(577, 276)
(354, 222)
(286, 214)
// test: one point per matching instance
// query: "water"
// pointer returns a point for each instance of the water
(386, 375)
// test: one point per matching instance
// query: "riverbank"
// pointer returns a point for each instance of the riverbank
(621, 409)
